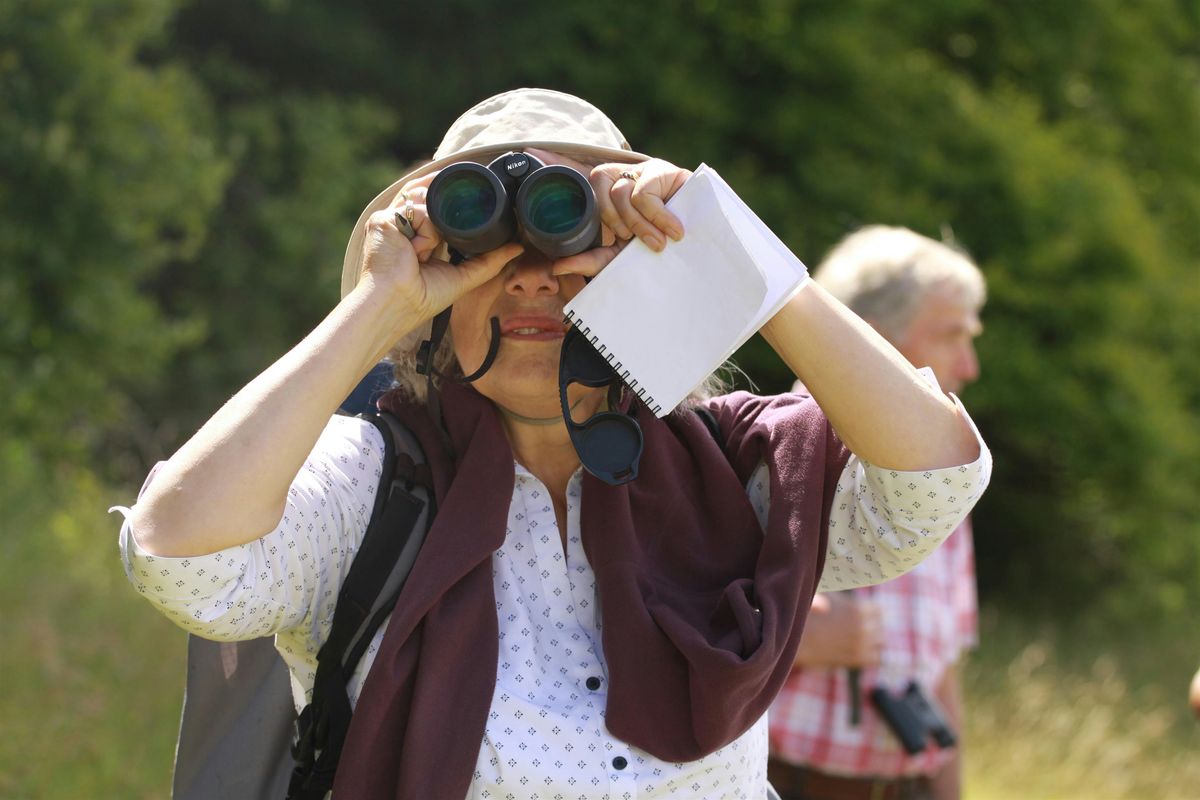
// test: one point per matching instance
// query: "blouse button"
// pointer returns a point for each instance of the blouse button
(620, 763)
(593, 683)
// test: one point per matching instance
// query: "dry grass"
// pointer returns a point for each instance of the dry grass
(1060, 713)
(91, 677)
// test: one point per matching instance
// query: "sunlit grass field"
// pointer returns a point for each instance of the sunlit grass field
(91, 681)
(1086, 710)
(90, 677)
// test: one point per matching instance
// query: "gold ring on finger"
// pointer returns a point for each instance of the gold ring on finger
(404, 226)
(629, 176)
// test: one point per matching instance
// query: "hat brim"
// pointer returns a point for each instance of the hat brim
(352, 264)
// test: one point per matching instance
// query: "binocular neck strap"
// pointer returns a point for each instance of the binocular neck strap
(430, 346)
(425, 367)
(493, 349)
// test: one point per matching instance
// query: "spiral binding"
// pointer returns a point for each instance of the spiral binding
(643, 395)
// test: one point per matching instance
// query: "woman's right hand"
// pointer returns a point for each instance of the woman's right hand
(237, 469)
(421, 283)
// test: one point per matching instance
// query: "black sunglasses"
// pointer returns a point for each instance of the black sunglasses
(609, 443)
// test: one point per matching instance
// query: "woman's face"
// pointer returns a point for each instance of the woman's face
(528, 299)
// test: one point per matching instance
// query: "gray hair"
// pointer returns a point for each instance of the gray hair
(403, 358)
(882, 273)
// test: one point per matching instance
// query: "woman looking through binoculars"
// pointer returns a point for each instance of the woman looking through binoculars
(582, 636)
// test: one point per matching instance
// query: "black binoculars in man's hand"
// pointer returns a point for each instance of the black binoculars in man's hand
(477, 208)
(913, 717)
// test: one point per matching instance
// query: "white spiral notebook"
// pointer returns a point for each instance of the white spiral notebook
(666, 320)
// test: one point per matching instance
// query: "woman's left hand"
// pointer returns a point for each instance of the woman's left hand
(632, 200)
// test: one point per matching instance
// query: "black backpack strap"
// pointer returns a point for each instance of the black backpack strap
(710, 422)
(401, 516)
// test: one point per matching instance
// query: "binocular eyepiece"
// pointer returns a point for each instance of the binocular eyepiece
(478, 208)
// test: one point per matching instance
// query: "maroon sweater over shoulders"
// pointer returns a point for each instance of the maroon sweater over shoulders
(702, 612)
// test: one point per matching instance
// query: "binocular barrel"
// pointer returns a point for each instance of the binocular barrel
(478, 208)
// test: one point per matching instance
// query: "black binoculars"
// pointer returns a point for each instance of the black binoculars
(913, 718)
(477, 208)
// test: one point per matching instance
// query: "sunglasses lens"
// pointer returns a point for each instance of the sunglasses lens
(609, 447)
(583, 364)
(608, 444)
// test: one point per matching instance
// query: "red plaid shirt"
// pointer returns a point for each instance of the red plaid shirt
(929, 618)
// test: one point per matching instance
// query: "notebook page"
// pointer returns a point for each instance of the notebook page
(667, 320)
(783, 273)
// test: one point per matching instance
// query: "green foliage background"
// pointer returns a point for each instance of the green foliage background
(178, 180)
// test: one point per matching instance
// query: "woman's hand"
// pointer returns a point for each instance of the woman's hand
(631, 199)
(421, 284)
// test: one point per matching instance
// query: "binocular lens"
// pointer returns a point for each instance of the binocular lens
(557, 211)
(555, 204)
(473, 206)
(469, 205)
(466, 201)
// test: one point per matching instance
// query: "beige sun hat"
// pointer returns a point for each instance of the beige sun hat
(514, 120)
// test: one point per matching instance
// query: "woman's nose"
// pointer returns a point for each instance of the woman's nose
(530, 274)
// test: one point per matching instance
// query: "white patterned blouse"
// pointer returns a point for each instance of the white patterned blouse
(545, 737)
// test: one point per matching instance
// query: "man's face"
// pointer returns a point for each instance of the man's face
(942, 336)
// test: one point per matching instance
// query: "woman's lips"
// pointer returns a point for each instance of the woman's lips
(533, 328)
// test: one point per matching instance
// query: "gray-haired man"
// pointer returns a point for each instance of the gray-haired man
(925, 298)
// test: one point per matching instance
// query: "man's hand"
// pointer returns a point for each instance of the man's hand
(842, 631)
